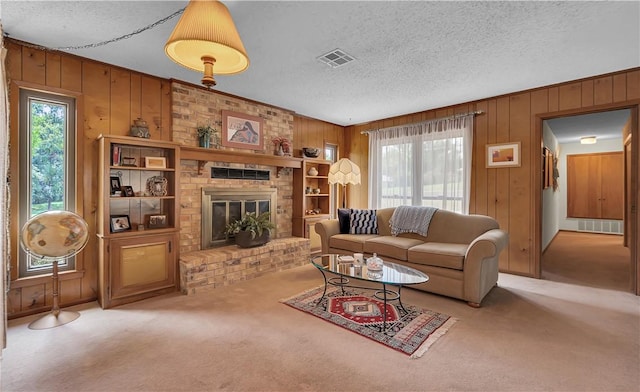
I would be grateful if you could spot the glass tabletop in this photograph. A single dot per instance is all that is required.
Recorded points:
(391, 273)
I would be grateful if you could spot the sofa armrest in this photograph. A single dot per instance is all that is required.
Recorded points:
(489, 244)
(481, 264)
(327, 228)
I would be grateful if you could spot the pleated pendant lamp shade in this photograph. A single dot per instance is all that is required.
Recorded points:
(205, 39)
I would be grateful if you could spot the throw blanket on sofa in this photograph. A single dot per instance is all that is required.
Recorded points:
(411, 219)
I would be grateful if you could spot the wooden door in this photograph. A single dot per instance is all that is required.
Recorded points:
(583, 186)
(612, 186)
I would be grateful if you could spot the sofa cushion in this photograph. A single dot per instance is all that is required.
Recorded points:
(350, 242)
(343, 218)
(363, 222)
(439, 254)
(390, 246)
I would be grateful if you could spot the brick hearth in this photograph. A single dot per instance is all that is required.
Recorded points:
(226, 265)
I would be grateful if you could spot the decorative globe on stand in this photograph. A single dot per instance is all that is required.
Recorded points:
(53, 236)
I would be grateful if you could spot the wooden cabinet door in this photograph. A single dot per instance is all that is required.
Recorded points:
(141, 265)
(612, 186)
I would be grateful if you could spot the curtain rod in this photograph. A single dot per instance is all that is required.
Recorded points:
(475, 113)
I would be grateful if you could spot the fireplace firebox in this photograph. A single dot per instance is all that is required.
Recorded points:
(221, 206)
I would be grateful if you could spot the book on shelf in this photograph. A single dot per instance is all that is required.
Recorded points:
(116, 152)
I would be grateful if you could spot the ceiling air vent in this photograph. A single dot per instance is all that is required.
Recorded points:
(336, 58)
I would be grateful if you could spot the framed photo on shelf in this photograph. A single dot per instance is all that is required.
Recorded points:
(120, 223)
(157, 186)
(503, 155)
(115, 185)
(242, 131)
(128, 191)
(157, 221)
(155, 162)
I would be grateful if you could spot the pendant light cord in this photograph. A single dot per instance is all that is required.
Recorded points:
(102, 43)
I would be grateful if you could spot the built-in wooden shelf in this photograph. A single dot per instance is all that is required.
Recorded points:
(204, 155)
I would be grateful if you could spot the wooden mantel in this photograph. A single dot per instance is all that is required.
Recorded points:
(204, 155)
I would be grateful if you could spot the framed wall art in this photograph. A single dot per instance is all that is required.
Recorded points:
(547, 168)
(503, 155)
(242, 131)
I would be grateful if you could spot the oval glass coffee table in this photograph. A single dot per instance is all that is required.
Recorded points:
(392, 274)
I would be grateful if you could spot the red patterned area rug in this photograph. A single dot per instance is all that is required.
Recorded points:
(411, 332)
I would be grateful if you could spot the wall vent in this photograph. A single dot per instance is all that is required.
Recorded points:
(239, 174)
(336, 58)
(601, 226)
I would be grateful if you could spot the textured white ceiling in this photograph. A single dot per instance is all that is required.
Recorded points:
(411, 56)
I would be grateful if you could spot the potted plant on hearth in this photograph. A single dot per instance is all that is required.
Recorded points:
(251, 230)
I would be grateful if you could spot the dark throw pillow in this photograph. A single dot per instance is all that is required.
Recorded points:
(344, 220)
(363, 222)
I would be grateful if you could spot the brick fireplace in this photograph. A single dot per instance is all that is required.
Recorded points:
(193, 106)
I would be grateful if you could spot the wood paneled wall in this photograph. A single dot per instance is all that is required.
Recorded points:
(511, 195)
(309, 132)
(108, 99)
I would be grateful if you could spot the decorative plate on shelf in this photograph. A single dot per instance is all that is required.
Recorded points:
(157, 186)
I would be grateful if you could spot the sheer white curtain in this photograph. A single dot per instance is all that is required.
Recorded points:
(422, 164)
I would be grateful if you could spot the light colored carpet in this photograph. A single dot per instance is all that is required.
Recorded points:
(530, 335)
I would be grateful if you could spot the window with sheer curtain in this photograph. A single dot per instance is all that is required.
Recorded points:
(422, 164)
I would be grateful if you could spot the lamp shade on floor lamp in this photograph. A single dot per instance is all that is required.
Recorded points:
(344, 172)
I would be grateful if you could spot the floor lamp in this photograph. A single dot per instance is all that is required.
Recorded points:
(344, 172)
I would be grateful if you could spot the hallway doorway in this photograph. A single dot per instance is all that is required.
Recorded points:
(615, 266)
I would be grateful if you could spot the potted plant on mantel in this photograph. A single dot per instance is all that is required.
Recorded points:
(205, 132)
(251, 230)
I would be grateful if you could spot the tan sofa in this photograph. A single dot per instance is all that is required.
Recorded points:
(459, 254)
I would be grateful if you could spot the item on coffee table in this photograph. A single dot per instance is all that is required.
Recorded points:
(359, 258)
(345, 259)
(374, 263)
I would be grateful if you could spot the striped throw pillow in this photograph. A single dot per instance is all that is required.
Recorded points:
(363, 222)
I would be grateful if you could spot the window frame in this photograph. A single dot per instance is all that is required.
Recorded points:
(333, 201)
(26, 97)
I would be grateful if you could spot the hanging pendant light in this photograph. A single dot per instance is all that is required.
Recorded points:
(206, 40)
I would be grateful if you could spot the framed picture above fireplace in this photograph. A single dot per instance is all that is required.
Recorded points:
(242, 131)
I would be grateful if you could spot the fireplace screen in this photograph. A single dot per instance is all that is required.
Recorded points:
(221, 206)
